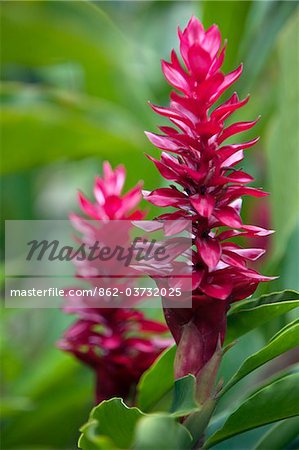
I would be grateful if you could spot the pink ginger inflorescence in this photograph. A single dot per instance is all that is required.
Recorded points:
(119, 344)
(208, 191)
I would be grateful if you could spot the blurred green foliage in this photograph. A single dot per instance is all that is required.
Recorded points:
(76, 77)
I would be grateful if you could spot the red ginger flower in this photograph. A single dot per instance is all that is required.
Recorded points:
(119, 344)
(196, 158)
(110, 204)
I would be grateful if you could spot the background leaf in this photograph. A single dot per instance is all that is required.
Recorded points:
(224, 14)
(263, 24)
(53, 123)
(283, 341)
(249, 314)
(77, 33)
(280, 435)
(283, 141)
(274, 402)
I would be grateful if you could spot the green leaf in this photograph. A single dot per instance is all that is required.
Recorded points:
(274, 402)
(112, 421)
(283, 141)
(264, 22)
(246, 315)
(197, 422)
(280, 435)
(156, 382)
(90, 440)
(288, 267)
(12, 405)
(51, 123)
(184, 396)
(284, 340)
(59, 386)
(160, 431)
(281, 374)
(43, 34)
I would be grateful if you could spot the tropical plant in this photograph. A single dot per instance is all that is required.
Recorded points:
(75, 78)
(210, 196)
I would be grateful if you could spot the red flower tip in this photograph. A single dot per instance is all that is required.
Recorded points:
(110, 203)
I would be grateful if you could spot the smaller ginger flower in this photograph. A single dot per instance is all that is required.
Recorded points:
(119, 344)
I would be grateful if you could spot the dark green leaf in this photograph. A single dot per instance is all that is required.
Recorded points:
(274, 402)
(283, 341)
(184, 396)
(280, 435)
(246, 315)
(157, 381)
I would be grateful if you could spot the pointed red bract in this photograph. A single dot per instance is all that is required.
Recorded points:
(209, 188)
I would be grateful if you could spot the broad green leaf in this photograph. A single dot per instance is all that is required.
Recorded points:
(281, 374)
(246, 315)
(267, 299)
(43, 34)
(157, 381)
(111, 421)
(51, 124)
(272, 403)
(58, 386)
(160, 431)
(284, 340)
(283, 140)
(292, 327)
(280, 435)
(184, 397)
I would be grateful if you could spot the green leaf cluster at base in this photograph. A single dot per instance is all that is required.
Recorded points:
(168, 415)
